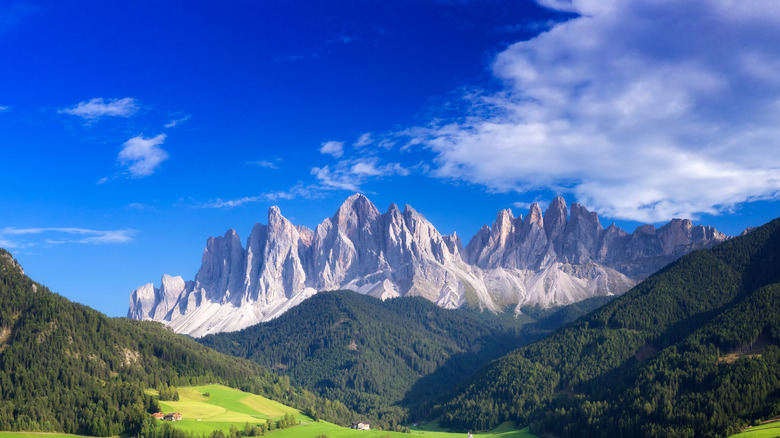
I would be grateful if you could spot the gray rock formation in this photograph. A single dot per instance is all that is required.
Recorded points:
(551, 259)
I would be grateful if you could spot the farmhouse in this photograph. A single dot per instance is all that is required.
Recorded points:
(362, 425)
(158, 415)
(173, 416)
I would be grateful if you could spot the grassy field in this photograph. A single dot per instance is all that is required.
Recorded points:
(226, 406)
(222, 408)
(769, 430)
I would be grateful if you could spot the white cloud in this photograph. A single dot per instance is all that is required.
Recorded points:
(363, 140)
(97, 108)
(371, 167)
(173, 123)
(265, 163)
(142, 155)
(4, 108)
(82, 235)
(351, 174)
(102, 180)
(334, 148)
(643, 110)
(297, 191)
(336, 178)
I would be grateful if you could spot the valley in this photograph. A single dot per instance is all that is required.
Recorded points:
(692, 349)
(225, 407)
(390, 219)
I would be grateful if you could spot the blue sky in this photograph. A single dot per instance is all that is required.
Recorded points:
(132, 131)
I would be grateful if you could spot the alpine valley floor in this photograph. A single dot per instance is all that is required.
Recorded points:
(225, 407)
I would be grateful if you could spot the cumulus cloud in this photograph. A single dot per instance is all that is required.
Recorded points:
(643, 110)
(142, 155)
(96, 108)
(333, 148)
(62, 235)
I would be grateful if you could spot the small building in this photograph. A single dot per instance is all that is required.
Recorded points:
(158, 415)
(173, 416)
(362, 425)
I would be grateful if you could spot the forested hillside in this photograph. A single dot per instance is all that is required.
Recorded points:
(65, 367)
(691, 351)
(385, 357)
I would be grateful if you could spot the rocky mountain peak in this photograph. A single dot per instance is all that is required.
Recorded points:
(503, 226)
(555, 219)
(356, 209)
(556, 258)
(534, 216)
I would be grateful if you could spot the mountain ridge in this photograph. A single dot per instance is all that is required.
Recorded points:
(548, 259)
(691, 351)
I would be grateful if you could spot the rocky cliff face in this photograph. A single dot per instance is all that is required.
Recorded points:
(550, 259)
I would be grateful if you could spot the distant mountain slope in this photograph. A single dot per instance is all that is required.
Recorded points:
(65, 367)
(555, 259)
(691, 351)
(373, 354)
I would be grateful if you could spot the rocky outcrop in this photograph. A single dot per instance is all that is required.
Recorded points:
(556, 258)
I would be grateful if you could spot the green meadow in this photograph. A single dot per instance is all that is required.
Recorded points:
(222, 408)
(225, 406)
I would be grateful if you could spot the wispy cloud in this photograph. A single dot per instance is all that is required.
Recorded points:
(13, 237)
(635, 115)
(142, 155)
(347, 174)
(350, 174)
(4, 108)
(333, 148)
(295, 192)
(363, 140)
(96, 108)
(139, 206)
(173, 123)
(265, 163)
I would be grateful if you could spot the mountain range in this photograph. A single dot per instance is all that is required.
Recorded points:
(556, 258)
